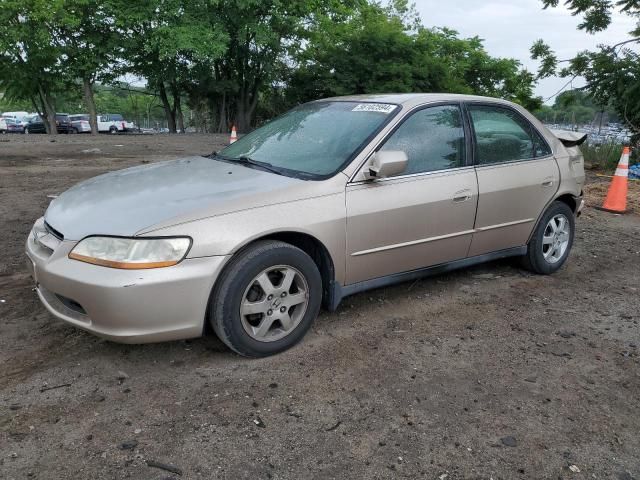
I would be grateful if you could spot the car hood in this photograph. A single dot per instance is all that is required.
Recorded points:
(127, 202)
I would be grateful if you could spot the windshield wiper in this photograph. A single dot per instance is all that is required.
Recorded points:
(245, 160)
(265, 165)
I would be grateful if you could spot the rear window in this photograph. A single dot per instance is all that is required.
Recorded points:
(75, 118)
(501, 135)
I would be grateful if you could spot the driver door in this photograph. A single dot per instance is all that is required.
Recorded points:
(423, 216)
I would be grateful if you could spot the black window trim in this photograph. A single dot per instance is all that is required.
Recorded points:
(468, 160)
(469, 121)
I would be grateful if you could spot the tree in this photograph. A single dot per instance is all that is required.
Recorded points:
(90, 47)
(612, 72)
(165, 41)
(388, 50)
(30, 56)
(264, 38)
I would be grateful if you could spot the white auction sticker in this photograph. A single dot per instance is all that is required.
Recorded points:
(385, 108)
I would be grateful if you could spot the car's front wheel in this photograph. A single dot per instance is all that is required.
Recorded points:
(266, 299)
(552, 240)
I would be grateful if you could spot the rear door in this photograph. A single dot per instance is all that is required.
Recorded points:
(423, 216)
(517, 177)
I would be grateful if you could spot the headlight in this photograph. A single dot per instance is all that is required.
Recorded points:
(131, 253)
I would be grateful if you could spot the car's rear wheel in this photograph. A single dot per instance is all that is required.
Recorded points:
(266, 299)
(552, 240)
(113, 130)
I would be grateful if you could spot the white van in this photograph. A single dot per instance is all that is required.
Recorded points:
(19, 117)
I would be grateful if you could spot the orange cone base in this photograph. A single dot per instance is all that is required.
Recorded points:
(602, 209)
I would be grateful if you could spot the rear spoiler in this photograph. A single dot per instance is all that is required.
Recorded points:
(570, 139)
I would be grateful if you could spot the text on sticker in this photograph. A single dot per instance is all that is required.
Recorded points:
(385, 108)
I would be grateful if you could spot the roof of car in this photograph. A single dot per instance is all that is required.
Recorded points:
(412, 99)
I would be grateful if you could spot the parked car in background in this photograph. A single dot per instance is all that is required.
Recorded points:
(63, 124)
(333, 198)
(19, 117)
(3, 125)
(14, 126)
(80, 123)
(114, 123)
(29, 118)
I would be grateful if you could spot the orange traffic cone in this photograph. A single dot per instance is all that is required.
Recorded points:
(616, 201)
(234, 135)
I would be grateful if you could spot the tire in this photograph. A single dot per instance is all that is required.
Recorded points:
(26, 131)
(547, 250)
(73, 131)
(113, 130)
(262, 334)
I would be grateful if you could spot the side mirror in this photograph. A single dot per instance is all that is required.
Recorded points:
(387, 164)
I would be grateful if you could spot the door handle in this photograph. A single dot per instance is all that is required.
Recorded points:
(462, 196)
(547, 183)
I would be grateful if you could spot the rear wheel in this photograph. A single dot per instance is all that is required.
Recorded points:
(113, 130)
(552, 240)
(266, 299)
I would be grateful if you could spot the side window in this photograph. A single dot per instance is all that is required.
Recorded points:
(501, 135)
(540, 146)
(432, 138)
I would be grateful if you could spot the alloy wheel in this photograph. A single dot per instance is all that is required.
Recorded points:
(274, 303)
(555, 240)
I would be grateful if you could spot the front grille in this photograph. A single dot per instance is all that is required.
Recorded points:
(53, 231)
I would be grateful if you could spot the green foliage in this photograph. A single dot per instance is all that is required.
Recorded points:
(612, 72)
(234, 61)
(604, 157)
(374, 52)
(575, 106)
(29, 53)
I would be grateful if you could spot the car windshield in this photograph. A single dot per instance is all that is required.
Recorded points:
(315, 139)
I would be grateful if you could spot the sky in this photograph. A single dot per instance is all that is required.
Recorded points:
(510, 27)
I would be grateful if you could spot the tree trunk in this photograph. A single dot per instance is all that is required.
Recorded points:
(177, 107)
(222, 118)
(49, 112)
(242, 120)
(170, 114)
(89, 100)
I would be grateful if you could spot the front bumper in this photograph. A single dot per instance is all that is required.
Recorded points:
(126, 306)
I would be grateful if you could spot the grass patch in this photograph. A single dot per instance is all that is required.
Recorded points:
(603, 157)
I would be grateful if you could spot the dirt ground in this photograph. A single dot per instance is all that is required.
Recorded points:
(484, 373)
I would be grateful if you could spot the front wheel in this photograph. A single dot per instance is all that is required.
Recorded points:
(552, 240)
(266, 299)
